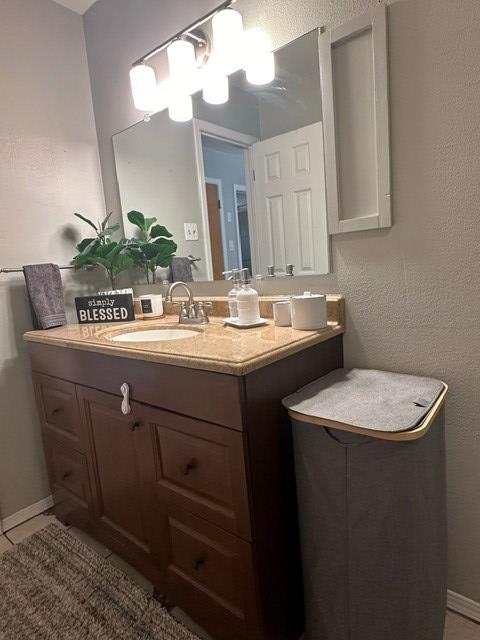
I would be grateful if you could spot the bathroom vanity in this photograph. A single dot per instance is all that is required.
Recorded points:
(195, 486)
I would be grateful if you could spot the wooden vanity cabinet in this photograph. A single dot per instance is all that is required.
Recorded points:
(195, 487)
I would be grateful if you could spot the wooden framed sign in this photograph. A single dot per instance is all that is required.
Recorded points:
(116, 307)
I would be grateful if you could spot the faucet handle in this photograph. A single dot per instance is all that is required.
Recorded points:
(202, 307)
(183, 309)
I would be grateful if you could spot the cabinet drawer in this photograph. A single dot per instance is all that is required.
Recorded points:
(209, 573)
(173, 388)
(68, 472)
(58, 409)
(200, 467)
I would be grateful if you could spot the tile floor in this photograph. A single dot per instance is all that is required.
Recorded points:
(457, 627)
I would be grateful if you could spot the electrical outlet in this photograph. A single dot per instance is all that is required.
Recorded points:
(229, 216)
(231, 245)
(191, 230)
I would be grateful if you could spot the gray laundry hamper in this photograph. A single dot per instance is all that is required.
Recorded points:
(370, 471)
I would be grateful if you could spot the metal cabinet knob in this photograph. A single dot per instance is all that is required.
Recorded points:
(199, 564)
(190, 466)
(135, 425)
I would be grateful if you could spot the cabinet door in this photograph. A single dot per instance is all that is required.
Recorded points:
(69, 482)
(121, 464)
(354, 70)
(209, 574)
(58, 410)
(200, 467)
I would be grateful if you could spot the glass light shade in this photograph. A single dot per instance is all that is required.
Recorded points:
(227, 28)
(182, 64)
(263, 71)
(215, 90)
(180, 108)
(259, 59)
(144, 87)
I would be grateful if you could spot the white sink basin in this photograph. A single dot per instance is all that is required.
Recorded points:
(155, 335)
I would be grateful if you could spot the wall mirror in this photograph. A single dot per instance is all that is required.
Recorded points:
(242, 184)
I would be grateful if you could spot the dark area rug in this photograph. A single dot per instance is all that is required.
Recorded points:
(53, 587)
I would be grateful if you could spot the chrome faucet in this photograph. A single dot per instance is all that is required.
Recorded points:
(289, 271)
(191, 312)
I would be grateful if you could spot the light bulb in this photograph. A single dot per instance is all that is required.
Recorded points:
(227, 27)
(263, 71)
(215, 90)
(144, 87)
(182, 64)
(180, 108)
(259, 59)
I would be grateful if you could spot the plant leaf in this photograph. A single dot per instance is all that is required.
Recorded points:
(165, 254)
(109, 230)
(105, 220)
(148, 223)
(164, 261)
(121, 262)
(91, 248)
(81, 261)
(92, 224)
(137, 218)
(104, 262)
(150, 251)
(137, 257)
(159, 230)
(83, 244)
(114, 250)
(103, 250)
(166, 243)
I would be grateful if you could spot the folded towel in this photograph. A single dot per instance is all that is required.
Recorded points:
(181, 270)
(45, 292)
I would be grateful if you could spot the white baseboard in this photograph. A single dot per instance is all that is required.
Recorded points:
(464, 606)
(25, 514)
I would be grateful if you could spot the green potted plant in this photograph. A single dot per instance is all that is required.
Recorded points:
(152, 248)
(101, 250)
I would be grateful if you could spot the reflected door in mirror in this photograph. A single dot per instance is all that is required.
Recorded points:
(214, 212)
(290, 213)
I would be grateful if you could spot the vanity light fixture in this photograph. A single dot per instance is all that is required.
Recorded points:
(216, 89)
(180, 107)
(228, 40)
(259, 58)
(192, 68)
(182, 64)
(143, 81)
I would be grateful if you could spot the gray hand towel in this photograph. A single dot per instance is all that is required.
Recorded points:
(45, 292)
(181, 270)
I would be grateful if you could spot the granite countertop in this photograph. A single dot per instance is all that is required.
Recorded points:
(217, 347)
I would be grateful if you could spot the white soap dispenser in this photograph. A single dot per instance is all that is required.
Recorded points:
(233, 293)
(247, 301)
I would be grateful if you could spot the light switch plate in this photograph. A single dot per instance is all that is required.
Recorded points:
(191, 230)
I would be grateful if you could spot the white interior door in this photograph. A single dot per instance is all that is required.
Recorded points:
(290, 214)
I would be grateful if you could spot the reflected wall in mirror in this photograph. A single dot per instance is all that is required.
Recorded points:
(242, 184)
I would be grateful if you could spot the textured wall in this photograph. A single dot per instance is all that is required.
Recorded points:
(48, 168)
(413, 292)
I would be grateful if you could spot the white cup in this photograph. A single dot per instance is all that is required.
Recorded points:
(151, 305)
(282, 313)
(309, 311)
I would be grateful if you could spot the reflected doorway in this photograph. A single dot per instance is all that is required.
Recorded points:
(226, 179)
